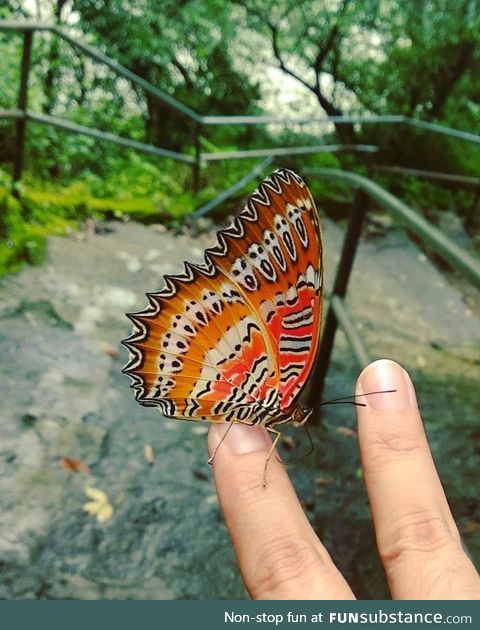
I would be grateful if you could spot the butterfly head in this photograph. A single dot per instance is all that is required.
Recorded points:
(299, 415)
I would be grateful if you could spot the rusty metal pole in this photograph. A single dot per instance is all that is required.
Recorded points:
(22, 103)
(198, 157)
(350, 244)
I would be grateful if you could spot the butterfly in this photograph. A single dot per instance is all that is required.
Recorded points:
(234, 339)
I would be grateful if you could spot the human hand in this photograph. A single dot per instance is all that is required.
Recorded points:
(279, 554)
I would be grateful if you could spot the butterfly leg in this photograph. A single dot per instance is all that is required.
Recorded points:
(277, 435)
(248, 424)
(212, 457)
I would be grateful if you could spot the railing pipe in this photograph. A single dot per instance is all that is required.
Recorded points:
(8, 25)
(226, 194)
(348, 326)
(434, 175)
(349, 249)
(266, 119)
(22, 103)
(106, 136)
(448, 250)
(287, 151)
(441, 244)
(121, 70)
(13, 25)
(11, 113)
(198, 156)
(446, 131)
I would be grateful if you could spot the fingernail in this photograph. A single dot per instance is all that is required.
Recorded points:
(240, 439)
(384, 375)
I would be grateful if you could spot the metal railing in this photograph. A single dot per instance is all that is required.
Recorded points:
(365, 189)
(449, 178)
(337, 313)
(22, 115)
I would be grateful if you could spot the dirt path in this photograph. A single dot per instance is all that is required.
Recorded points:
(63, 396)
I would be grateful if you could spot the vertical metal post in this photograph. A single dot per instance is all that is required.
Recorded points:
(22, 106)
(350, 244)
(198, 156)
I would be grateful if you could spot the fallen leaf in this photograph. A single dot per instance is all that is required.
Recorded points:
(96, 494)
(421, 361)
(470, 526)
(112, 351)
(104, 513)
(91, 507)
(323, 480)
(346, 431)
(74, 465)
(148, 453)
(211, 499)
(100, 506)
(288, 442)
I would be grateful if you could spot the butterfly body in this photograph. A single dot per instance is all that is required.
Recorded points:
(234, 339)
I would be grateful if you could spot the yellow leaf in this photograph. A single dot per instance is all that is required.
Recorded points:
(96, 494)
(148, 453)
(91, 507)
(100, 507)
(324, 480)
(105, 513)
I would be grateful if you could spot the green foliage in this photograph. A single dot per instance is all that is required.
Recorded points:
(25, 241)
(183, 48)
(377, 57)
(136, 189)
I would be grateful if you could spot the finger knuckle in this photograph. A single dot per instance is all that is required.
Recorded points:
(388, 445)
(418, 535)
(282, 563)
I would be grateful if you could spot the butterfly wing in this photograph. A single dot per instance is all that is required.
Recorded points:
(236, 337)
(199, 351)
(273, 251)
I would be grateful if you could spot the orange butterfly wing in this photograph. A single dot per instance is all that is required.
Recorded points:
(236, 337)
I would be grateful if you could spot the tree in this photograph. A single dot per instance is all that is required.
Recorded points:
(375, 56)
(181, 47)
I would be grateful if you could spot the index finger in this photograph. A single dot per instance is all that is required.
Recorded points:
(279, 555)
(417, 537)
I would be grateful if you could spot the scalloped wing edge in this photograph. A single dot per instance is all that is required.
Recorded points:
(274, 183)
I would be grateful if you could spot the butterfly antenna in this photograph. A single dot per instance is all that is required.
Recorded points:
(312, 446)
(347, 400)
(310, 450)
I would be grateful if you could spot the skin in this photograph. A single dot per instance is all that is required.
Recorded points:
(279, 554)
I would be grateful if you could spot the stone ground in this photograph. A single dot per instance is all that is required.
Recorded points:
(64, 397)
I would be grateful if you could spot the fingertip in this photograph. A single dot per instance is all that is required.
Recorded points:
(376, 367)
(239, 439)
(386, 386)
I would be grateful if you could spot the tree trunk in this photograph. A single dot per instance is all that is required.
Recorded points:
(447, 80)
(345, 131)
(51, 76)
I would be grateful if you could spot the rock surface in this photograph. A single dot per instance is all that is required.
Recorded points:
(64, 401)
